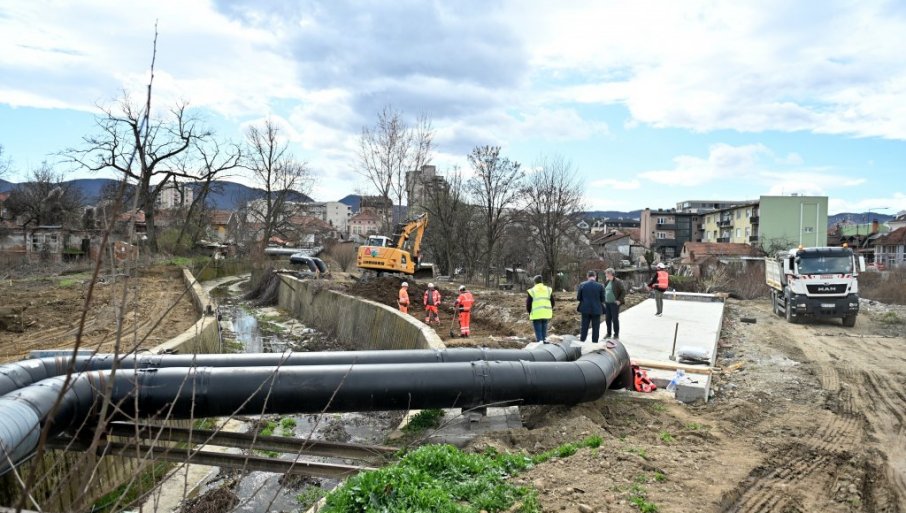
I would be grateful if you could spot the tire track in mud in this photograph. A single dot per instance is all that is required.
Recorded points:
(767, 489)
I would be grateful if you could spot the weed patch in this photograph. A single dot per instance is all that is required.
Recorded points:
(443, 479)
(424, 420)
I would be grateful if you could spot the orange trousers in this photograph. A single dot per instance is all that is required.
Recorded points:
(464, 318)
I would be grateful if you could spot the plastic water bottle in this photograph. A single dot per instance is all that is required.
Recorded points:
(677, 379)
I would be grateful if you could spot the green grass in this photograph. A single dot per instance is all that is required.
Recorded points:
(640, 451)
(309, 496)
(443, 479)
(659, 476)
(207, 423)
(659, 407)
(424, 420)
(665, 437)
(288, 425)
(179, 261)
(638, 498)
(125, 495)
(694, 426)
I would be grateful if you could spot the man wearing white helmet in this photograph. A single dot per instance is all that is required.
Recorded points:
(403, 301)
(432, 302)
(659, 283)
(464, 306)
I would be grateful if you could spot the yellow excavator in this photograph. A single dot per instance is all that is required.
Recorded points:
(400, 254)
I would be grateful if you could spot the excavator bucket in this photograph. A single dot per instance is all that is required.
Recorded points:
(424, 272)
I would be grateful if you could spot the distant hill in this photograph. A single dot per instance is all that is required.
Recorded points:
(858, 218)
(353, 201)
(611, 214)
(228, 196)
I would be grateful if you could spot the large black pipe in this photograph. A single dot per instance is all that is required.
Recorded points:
(14, 376)
(180, 393)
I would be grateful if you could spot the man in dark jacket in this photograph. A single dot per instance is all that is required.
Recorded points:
(591, 305)
(614, 295)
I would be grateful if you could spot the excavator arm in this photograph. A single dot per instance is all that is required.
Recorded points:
(416, 226)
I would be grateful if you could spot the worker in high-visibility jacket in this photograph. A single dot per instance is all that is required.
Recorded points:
(464, 306)
(540, 306)
(403, 301)
(432, 301)
(659, 283)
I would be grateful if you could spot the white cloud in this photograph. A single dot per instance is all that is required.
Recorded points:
(793, 159)
(723, 161)
(742, 66)
(889, 205)
(620, 185)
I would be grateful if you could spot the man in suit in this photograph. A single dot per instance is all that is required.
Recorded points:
(591, 305)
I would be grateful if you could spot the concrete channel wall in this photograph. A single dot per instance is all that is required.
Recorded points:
(62, 476)
(367, 324)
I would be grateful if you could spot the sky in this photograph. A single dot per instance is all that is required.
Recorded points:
(653, 102)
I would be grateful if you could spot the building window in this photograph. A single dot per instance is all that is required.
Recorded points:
(738, 232)
(748, 212)
(661, 235)
(662, 220)
(748, 231)
(808, 229)
(738, 214)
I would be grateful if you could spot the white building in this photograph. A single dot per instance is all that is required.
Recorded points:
(175, 196)
(334, 213)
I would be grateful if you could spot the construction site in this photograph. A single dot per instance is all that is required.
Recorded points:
(784, 417)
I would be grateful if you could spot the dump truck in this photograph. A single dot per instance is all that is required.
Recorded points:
(399, 254)
(815, 282)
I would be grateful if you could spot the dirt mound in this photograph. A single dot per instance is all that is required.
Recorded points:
(385, 290)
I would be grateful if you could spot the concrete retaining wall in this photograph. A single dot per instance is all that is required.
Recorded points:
(366, 324)
(62, 476)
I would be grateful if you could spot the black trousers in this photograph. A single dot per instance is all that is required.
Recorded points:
(595, 321)
(612, 311)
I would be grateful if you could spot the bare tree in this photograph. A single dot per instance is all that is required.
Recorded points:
(390, 149)
(554, 195)
(4, 162)
(496, 188)
(215, 159)
(279, 174)
(447, 212)
(45, 199)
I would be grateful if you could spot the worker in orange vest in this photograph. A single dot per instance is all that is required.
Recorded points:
(432, 301)
(659, 283)
(403, 301)
(464, 306)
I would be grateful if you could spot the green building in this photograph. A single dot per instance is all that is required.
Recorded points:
(785, 222)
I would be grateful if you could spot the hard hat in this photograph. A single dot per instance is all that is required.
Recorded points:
(404, 284)
(661, 265)
(430, 285)
(462, 287)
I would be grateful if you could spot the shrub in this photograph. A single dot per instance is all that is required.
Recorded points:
(344, 254)
(887, 286)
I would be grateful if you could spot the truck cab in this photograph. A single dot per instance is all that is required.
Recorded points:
(815, 282)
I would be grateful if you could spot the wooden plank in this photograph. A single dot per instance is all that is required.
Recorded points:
(658, 364)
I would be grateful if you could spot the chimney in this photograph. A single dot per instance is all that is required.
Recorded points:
(875, 226)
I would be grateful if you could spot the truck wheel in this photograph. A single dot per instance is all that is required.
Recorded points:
(774, 307)
(789, 313)
(849, 321)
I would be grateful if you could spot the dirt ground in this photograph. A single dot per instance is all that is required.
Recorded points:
(806, 417)
(54, 303)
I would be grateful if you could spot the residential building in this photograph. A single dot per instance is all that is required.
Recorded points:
(334, 213)
(420, 186)
(772, 222)
(897, 222)
(890, 248)
(175, 196)
(703, 206)
(737, 224)
(665, 231)
(624, 244)
(789, 221)
(220, 224)
(364, 223)
(621, 224)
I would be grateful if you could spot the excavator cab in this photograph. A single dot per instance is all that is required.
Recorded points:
(379, 241)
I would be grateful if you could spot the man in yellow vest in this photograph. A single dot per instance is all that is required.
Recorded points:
(540, 306)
